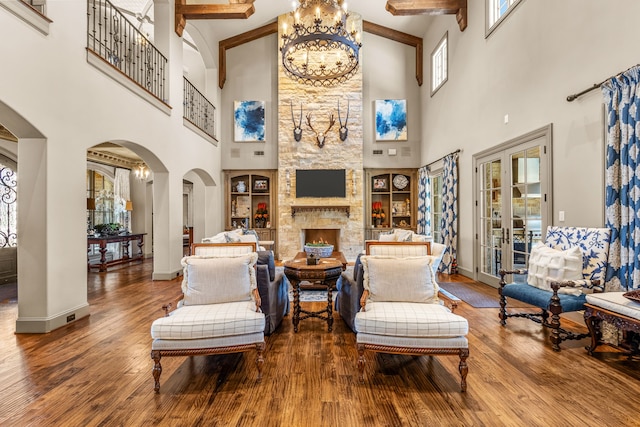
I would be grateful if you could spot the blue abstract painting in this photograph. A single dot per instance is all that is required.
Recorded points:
(391, 120)
(249, 120)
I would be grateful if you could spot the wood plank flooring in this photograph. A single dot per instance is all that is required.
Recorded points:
(97, 372)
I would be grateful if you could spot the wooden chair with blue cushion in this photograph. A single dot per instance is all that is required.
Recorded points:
(561, 271)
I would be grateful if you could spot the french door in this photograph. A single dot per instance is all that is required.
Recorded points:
(513, 204)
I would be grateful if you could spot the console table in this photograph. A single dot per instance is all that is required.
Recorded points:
(102, 241)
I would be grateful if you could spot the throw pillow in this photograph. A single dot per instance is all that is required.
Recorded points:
(403, 235)
(393, 279)
(218, 238)
(547, 264)
(387, 238)
(267, 258)
(232, 237)
(421, 238)
(252, 233)
(213, 280)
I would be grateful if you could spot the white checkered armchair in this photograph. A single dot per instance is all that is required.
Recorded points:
(401, 311)
(219, 312)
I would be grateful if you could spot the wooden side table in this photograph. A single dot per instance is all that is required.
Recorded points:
(326, 272)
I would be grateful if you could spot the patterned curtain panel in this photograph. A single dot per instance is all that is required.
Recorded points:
(622, 199)
(424, 201)
(449, 220)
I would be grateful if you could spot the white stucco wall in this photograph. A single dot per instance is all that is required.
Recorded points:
(75, 106)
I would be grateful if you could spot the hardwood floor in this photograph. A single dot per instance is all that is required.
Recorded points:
(97, 371)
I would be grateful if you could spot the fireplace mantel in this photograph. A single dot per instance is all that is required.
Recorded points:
(309, 208)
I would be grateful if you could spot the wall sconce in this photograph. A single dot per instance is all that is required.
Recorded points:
(287, 177)
(354, 190)
(91, 204)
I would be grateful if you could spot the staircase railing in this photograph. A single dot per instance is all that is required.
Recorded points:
(198, 110)
(112, 37)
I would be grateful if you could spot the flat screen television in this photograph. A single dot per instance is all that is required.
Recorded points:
(320, 183)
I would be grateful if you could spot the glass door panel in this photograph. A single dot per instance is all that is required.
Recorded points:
(525, 216)
(491, 233)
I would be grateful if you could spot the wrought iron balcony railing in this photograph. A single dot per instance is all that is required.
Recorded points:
(198, 110)
(112, 37)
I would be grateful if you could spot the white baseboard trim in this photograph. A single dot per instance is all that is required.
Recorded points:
(166, 276)
(466, 273)
(41, 325)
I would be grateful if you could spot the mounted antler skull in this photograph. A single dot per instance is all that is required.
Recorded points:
(343, 127)
(297, 127)
(321, 136)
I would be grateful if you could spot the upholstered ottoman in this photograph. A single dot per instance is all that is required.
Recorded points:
(614, 308)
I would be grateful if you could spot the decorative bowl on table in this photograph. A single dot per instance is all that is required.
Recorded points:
(320, 250)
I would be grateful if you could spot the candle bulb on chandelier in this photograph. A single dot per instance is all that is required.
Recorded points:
(284, 28)
(317, 12)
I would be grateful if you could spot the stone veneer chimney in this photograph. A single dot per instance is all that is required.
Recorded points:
(320, 102)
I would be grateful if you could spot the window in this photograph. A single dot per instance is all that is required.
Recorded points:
(439, 67)
(8, 205)
(436, 206)
(100, 189)
(497, 10)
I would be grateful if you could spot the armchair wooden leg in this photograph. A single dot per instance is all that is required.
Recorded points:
(463, 368)
(260, 359)
(157, 369)
(503, 303)
(555, 308)
(361, 361)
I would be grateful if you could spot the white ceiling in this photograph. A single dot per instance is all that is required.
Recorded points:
(267, 11)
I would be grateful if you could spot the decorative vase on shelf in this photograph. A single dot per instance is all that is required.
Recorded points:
(240, 187)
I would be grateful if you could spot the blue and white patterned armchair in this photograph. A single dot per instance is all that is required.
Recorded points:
(576, 261)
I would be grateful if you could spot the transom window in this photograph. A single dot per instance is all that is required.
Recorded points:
(439, 68)
(497, 10)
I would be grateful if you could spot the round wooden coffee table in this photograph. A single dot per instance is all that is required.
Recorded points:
(326, 272)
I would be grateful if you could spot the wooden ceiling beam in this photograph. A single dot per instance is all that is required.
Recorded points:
(430, 7)
(272, 28)
(235, 10)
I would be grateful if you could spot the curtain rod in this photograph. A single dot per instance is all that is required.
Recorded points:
(575, 96)
(436, 161)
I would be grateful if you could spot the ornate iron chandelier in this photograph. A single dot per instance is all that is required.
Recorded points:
(317, 47)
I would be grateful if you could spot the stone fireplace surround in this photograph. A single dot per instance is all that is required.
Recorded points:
(345, 214)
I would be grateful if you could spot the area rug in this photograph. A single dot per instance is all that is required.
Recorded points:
(478, 295)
